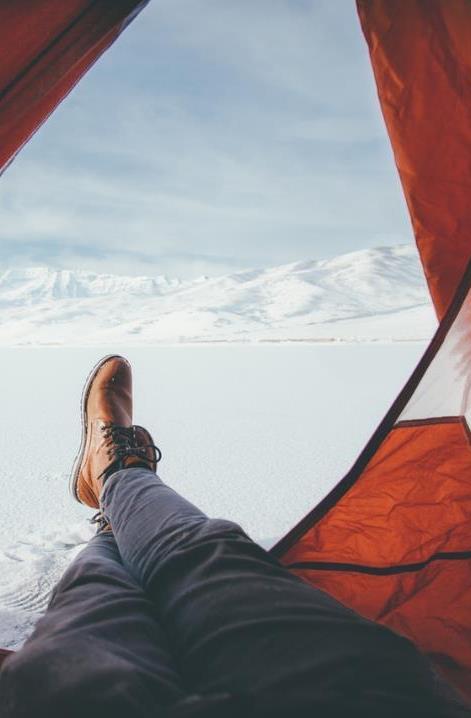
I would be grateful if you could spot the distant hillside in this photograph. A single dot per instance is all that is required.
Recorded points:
(369, 295)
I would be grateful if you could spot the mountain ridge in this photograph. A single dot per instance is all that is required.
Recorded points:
(366, 295)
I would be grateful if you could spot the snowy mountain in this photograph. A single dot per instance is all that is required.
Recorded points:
(375, 294)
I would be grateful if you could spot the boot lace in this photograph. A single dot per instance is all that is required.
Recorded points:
(121, 442)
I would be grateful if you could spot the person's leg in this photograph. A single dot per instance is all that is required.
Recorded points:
(241, 623)
(98, 651)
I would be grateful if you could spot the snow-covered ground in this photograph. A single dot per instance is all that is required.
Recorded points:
(257, 434)
(369, 295)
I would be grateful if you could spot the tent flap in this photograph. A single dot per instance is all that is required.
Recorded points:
(421, 56)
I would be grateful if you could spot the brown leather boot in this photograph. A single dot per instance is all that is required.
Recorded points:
(109, 440)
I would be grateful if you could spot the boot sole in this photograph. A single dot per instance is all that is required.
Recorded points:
(74, 476)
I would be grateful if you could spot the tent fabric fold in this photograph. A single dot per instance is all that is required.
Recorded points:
(47, 47)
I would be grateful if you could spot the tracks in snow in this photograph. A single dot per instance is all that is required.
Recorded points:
(29, 570)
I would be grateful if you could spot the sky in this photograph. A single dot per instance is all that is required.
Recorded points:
(214, 136)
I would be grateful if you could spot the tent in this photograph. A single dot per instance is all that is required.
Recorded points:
(393, 538)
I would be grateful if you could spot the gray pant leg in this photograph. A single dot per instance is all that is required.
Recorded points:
(98, 651)
(240, 623)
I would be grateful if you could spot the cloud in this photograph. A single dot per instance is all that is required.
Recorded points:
(212, 135)
(62, 255)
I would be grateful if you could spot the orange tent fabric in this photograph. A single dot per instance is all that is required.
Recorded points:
(421, 56)
(47, 45)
